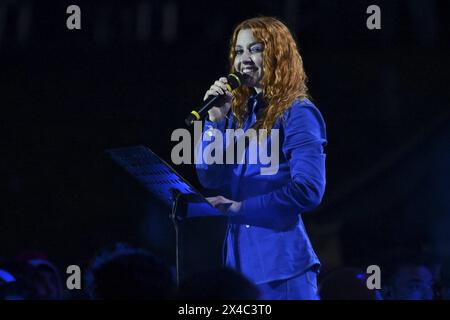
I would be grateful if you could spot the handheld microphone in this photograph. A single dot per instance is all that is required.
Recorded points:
(234, 81)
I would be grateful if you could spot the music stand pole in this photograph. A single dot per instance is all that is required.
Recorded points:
(177, 215)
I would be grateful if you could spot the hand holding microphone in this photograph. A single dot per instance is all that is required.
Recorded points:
(217, 100)
(222, 105)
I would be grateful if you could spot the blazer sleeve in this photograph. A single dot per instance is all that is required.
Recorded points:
(303, 146)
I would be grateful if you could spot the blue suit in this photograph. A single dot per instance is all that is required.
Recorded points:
(266, 240)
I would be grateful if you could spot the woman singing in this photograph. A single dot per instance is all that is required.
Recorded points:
(266, 239)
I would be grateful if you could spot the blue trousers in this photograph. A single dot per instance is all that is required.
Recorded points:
(301, 287)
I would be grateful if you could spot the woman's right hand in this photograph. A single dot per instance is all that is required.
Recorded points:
(218, 113)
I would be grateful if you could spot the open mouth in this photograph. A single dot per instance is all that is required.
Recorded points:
(249, 70)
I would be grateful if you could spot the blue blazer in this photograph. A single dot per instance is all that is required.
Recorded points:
(267, 240)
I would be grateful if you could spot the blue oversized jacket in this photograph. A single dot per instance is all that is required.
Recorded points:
(266, 240)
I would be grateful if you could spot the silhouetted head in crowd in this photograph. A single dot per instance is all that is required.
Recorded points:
(48, 282)
(346, 284)
(129, 273)
(407, 278)
(220, 284)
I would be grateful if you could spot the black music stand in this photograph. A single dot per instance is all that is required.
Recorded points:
(166, 184)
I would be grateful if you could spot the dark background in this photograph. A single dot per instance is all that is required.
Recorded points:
(136, 68)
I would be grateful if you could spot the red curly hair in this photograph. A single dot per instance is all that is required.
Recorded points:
(284, 78)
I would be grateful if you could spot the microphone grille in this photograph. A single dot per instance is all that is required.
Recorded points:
(235, 80)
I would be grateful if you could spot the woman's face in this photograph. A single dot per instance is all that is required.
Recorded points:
(249, 58)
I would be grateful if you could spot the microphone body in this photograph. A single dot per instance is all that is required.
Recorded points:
(234, 81)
